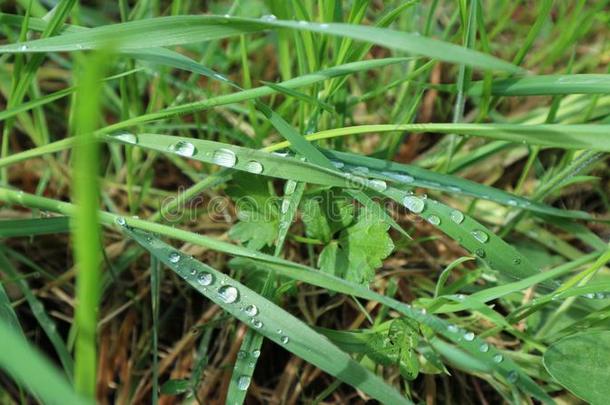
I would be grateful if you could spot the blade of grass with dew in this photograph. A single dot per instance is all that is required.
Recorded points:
(411, 175)
(472, 235)
(300, 273)
(180, 30)
(270, 320)
(249, 351)
(33, 226)
(47, 324)
(37, 373)
(86, 233)
(245, 95)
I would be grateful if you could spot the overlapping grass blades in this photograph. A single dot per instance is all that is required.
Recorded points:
(469, 233)
(476, 347)
(177, 30)
(269, 320)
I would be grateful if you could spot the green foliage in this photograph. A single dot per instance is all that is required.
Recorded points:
(580, 363)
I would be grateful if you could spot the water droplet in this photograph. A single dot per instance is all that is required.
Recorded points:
(183, 148)
(600, 295)
(251, 310)
(480, 252)
(225, 157)
(279, 331)
(269, 18)
(455, 189)
(405, 178)
(589, 296)
(284, 339)
(360, 170)
(378, 185)
(127, 137)
(243, 382)
(513, 376)
(484, 348)
(254, 167)
(324, 26)
(289, 187)
(121, 221)
(79, 46)
(285, 205)
(303, 22)
(257, 323)
(414, 204)
(337, 164)
(205, 278)
(23, 48)
(469, 336)
(242, 355)
(256, 354)
(193, 271)
(228, 294)
(434, 220)
(453, 328)
(174, 257)
(457, 216)
(480, 236)
(513, 203)
(516, 261)
(498, 358)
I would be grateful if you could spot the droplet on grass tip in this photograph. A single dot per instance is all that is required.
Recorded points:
(469, 336)
(498, 358)
(127, 137)
(434, 220)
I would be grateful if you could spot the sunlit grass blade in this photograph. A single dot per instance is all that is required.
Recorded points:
(176, 30)
(36, 373)
(269, 319)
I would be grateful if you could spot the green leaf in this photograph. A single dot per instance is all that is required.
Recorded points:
(175, 387)
(366, 244)
(333, 260)
(580, 363)
(316, 225)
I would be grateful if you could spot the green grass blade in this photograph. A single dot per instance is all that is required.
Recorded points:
(547, 85)
(33, 226)
(177, 30)
(86, 234)
(36, 373)
(45, 321)
(595, 137)
(276, 324)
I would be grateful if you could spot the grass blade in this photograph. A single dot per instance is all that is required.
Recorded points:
(177, 30)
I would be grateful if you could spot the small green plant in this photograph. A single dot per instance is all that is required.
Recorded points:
(304, 202)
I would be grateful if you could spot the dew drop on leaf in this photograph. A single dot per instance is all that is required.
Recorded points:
(228, 294)
(224, 157)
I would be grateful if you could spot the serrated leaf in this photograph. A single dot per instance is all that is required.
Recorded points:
(366, 244)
